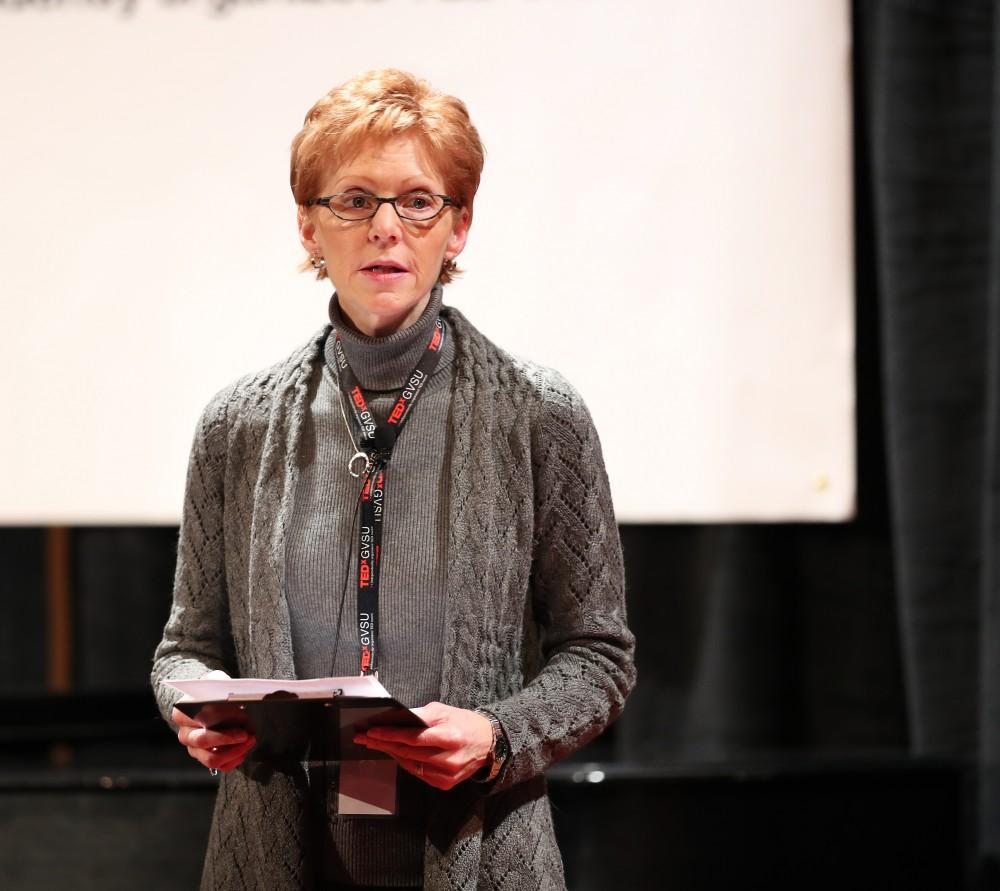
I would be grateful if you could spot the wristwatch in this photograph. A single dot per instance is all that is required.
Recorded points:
(498, 751)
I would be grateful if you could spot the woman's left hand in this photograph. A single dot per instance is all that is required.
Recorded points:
(455, 744)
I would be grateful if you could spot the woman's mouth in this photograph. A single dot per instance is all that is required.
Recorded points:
(383, 271)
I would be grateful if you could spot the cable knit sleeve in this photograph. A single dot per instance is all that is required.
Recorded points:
(578, 595)
(197, 637)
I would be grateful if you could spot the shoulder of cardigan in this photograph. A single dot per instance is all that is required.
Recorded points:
(252, 395)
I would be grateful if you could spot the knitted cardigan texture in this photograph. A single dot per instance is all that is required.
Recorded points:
(535, 622)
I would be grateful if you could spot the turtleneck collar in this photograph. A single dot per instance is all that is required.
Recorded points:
(386, 363)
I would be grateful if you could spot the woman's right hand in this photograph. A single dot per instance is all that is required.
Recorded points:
(217, 748)
(219, 737)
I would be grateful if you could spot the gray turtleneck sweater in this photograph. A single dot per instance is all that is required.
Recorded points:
(322, 551)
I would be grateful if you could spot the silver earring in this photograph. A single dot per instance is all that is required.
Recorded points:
(317, 262)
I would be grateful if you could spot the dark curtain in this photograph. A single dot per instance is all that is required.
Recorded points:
(928, 94)
(880, 633)
(930, 100)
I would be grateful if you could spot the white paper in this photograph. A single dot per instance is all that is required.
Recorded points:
(235, 689)
(367, 789)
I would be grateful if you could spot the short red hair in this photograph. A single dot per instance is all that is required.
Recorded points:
(375, 107)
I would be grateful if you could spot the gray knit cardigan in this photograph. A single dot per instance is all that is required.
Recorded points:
(535, 622)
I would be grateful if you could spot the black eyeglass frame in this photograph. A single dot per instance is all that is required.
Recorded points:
(447, 200)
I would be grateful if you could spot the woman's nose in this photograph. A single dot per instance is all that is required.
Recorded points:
(385, 225)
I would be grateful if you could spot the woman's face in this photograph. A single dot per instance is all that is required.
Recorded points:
(384, 268)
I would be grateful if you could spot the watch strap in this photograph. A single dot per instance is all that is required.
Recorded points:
(500, 748)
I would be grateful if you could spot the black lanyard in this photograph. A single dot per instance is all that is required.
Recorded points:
(376, 442)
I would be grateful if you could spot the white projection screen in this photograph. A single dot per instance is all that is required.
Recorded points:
(665, 216)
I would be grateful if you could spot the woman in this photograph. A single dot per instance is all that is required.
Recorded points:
(499, 606)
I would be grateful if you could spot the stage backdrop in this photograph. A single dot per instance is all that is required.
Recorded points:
(664, 216)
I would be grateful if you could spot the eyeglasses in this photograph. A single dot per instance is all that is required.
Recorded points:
(416, 206)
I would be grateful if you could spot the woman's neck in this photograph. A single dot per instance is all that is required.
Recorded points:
(387, 361)
(377, 325)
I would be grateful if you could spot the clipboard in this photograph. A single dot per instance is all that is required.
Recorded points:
(312, 723)
(307, 721)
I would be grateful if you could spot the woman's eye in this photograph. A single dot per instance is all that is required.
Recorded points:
(416, 201)
(358, 201)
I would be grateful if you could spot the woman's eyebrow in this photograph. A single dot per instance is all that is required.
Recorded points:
(410, 183)
(353, 182)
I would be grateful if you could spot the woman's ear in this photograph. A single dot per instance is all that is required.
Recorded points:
(307, 232)
(459, 234)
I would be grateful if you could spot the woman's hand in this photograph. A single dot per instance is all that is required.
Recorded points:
(219, 737)
(221, 746)
(218, 749)
(455, 744)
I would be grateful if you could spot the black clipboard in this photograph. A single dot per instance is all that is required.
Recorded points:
(308, 728)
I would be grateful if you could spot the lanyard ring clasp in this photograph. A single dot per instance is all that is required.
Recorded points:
(366, 464)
